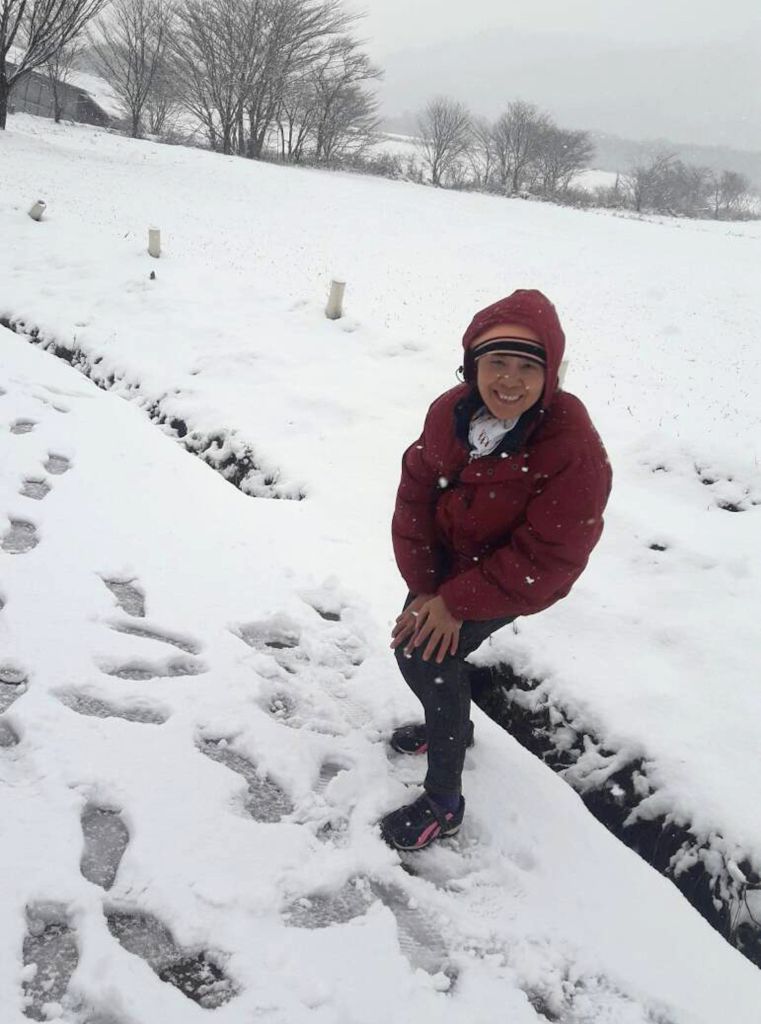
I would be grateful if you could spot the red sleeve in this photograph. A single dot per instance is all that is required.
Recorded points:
(416, 549)
(547, 552)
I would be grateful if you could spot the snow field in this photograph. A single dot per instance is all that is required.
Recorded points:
(276, 872)
(536, 898)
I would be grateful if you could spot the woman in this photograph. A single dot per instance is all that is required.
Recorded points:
(499, 507)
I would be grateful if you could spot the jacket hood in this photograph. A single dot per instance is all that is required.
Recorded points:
(529, 308)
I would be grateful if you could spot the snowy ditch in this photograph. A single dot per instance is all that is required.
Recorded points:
(722, 887)
(234, 459)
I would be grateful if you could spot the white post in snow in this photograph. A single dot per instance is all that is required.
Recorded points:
(562, 372)
(154, 242)
(334, 308)
(37, 209)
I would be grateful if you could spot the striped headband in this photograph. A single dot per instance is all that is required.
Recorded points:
(532, 350)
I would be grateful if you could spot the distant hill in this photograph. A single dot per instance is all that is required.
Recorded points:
(616, 154)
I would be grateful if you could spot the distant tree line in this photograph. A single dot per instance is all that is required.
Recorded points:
(525, 153)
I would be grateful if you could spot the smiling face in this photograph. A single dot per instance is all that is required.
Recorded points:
(508, 384)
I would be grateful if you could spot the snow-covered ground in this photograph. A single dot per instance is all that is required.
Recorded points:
(654, 651)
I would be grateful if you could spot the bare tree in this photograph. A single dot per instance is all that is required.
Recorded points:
(729, 194)
(218, 50)
(298, 109)
(560, 156)
(482, 153)
(162, 104)
(445, 132)
(130, 44)
(346, 113)
(647, 181)
(517, 141)
(37, 30)
(297, 35)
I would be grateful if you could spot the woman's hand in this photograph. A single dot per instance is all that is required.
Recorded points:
(437, 629)
(406, 623)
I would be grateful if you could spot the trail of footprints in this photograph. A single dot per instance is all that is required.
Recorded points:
(50, 952)
(22, 536)
(728, 492)
(50, 948)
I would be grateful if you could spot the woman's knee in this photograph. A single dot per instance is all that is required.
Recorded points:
(415, 669)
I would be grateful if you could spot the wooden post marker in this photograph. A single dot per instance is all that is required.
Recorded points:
(37, 209)
(154, 242)
(334, 308)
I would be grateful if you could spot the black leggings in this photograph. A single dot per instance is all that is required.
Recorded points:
(444, 691)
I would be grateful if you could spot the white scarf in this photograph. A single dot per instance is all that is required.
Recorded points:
(486, 432)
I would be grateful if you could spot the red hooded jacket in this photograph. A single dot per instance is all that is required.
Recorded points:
(509, 533)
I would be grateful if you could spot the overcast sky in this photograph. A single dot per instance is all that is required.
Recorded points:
(689, 69)
(400, 24)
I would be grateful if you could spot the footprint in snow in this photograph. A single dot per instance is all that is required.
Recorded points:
(13, 682)
(50, 956)
(275, 638)
(729, 494)
(59, 407)
(8, 735)
(20, 538)
(332, 656)
(57, 464)
(106, 838)
(329, 614)
(197, 975)
(182, 643)
(265, 800)
(282, 707)
(322, 910)
(308, 713)
(588, 998)
(129, 597)
(93, 707)
(37, 489)
(332, 649)
(329, 771)
(420, 938)
(23, 426)
(143, 670)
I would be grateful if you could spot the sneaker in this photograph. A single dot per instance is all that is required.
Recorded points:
(418, 824)
(412, 739)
